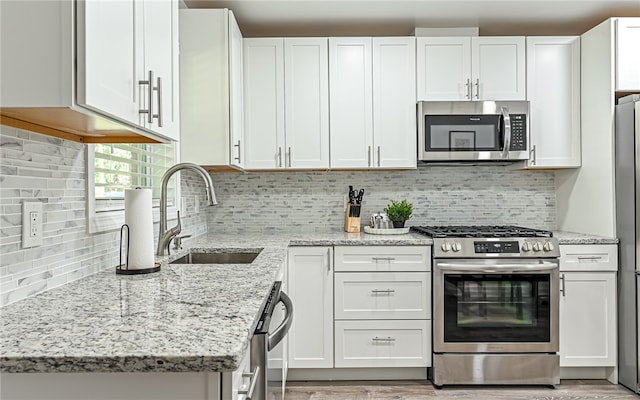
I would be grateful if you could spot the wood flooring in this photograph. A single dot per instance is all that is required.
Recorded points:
(423, 390)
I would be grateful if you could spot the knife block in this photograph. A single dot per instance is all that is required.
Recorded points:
(351, 224)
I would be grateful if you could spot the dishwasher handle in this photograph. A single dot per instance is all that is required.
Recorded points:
(281, 331)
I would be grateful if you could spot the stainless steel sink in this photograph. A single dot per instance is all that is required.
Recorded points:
(217, 258)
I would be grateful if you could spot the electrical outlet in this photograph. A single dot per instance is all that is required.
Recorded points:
(32, 224)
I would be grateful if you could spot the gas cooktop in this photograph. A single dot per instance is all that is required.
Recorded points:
(480, 231)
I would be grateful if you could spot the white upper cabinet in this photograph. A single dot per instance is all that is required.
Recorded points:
(236, 93)
(372, 86)
(161, 61)
(102, 89)
(471, 68)
(444, 68)
(553, 89)
(306, 93)
(211, 88)
(351, 106)
(264, 103)
(96, 86)
(394, 102)
(286, 99)
(628, 54)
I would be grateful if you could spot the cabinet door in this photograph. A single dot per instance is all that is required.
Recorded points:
(588, 319)
(236, 123)
(311, 290)
(627, 54)
(306, 102)
(264, 103)
(204, 86)
(351, 122)
(109, 59)
(444, 68)
(382, 295)
(394, 103)
(160, 19)
(498, 68)
(383, 343)
(553, 89)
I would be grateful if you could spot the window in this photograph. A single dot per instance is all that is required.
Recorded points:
(113, 168)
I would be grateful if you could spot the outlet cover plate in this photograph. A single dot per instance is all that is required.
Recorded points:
(32, 224)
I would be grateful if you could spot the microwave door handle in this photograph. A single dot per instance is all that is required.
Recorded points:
(507, 132)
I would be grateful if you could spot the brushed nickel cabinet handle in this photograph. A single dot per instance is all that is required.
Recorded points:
(388, 339)
(562, 287)
(468, 92)
(378, 156)
(158, 89)
(289, 157)
(279, 156)
(477, 84)
(369, 156)
(385, 291)
(149, 110)
(238, 146)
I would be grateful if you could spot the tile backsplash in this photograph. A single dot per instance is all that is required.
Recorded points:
(442, 195)
(35, 167)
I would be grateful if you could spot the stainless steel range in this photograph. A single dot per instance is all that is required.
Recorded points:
(495, 305)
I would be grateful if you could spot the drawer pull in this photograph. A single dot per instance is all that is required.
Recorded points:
(385, 291)
(388, 339)
(589, 258)
(254, 378)
(388, 259)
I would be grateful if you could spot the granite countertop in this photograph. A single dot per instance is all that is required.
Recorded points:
(581, 238)
(183, 318)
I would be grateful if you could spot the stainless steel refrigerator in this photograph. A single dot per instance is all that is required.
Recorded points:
(627, 184)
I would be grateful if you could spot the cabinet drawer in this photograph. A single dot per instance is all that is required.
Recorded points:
(383, 343)
(589, 257)
(382, 295)
(382, 258)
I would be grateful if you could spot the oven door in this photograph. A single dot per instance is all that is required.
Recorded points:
(495, 306)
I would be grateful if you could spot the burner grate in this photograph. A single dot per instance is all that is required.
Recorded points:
(480, 231)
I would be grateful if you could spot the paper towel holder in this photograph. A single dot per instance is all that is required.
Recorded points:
(123, 268)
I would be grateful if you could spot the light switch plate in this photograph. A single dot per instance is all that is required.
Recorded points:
(32, 224)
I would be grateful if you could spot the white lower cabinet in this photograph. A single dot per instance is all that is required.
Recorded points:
(382, 295)
(588, 296)
(311, 291)
(385, 343)
(382, 306)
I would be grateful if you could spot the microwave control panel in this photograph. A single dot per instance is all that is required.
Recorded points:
(518, 132)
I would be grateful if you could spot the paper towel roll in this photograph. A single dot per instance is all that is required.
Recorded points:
(138, 215)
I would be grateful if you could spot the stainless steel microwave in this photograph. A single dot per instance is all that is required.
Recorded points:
(466, 131)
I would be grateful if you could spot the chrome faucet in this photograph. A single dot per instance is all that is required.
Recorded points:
(166, 235)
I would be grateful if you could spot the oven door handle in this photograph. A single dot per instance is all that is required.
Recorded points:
(281, 331)
(501, 268)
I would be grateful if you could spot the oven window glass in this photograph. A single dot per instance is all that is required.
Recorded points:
(497, 308)
(462, 133)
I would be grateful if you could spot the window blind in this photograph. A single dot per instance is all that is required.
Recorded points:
(126, 166)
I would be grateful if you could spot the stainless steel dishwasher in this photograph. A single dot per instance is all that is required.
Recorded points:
(261, 386)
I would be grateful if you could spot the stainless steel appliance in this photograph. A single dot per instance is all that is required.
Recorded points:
(627, 186)
(495, 305)
(464, 131)
(265, 383)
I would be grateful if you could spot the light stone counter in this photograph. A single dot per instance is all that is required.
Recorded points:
(580, 238)
(184, 318)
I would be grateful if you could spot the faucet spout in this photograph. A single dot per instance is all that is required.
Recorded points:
(165, 235)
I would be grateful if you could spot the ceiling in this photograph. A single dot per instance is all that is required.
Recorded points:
(389, 17)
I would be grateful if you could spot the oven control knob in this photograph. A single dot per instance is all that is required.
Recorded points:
(526, 246)
(446, 246)
(548, 246)
(537, 246)
(456, 246)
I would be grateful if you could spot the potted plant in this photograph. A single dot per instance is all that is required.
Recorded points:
(398, 212)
